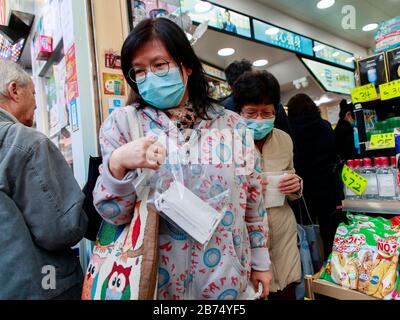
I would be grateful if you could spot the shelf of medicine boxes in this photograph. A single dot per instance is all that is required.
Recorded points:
(372, 206)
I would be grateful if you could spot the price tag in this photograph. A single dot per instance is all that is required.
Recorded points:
(364, 93)
(354, 181)
(390, 90)
(382, 141)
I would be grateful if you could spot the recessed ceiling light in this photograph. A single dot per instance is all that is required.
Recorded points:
(225, 52)
(319, 47)
(260, 63)
(335, 54)
(325, 4)
(202, 7)
(272, 31)
(370, 27)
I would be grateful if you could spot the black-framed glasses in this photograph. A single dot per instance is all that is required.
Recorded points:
(160, 68)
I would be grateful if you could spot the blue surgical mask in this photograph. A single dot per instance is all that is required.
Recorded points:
(163, 92)
(260, 128)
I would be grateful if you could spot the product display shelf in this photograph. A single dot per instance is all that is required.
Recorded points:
(314, 285)
(372, 206)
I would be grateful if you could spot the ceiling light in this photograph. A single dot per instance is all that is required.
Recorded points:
(203, 7)
(335, 54)
(272, 31)
(319, 47)
(325, 4)
(370, 27)
(225, 52)
(260, 63)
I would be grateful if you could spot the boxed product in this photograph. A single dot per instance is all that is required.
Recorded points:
(365, 256)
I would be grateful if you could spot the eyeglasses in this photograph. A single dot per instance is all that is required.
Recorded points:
(254, 115)
(160, 68)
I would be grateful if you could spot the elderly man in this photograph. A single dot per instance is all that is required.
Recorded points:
(41, 215)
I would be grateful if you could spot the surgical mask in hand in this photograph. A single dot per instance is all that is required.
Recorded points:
(260, 128)
(163, 92)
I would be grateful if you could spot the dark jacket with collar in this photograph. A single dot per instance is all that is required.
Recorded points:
(41, 215)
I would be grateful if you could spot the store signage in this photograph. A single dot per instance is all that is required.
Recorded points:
(354, 181)
(387, 36)
(112, 60)
(114, 84)
(214, 72)
(364, 93)
(334, 55)
(390, 90)
(382, 141)
(393, 61)
(218, 17)
(333, 79)
(283, 38)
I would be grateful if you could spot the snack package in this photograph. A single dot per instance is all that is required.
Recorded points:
(365, 256)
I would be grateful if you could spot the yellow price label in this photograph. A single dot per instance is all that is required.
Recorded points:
(354, 181)
(382, 141)
(364, 93)
(390, 90)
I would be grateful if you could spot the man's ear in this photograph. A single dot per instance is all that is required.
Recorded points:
(13, 91)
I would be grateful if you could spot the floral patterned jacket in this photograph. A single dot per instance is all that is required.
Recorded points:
(187, 270)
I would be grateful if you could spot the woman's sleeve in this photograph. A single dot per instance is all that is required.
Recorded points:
(255, 217)
(114, 199)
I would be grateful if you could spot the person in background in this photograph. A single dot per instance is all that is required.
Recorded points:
(41, 214)
(344, 133)
(171, 97)
(315, 161)
(228, 25)
(233, 72)
(257, 98)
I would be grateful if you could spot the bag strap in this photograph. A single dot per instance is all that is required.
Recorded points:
(308, 212)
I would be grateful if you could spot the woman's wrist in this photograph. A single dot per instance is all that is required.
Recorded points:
(115, 166)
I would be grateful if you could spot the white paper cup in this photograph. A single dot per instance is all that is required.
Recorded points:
(273, 197)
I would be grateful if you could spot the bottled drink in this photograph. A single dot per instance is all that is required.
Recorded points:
(395, 171)
(368, 172)
(348, 192)
(357, 169)
(386, 181)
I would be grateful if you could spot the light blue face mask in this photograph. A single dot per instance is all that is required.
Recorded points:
(260, 128)
(163, 92)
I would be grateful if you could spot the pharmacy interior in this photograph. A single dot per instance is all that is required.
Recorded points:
(364, 260)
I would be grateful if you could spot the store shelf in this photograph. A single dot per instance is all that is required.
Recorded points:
(327, 289)
(372, 206)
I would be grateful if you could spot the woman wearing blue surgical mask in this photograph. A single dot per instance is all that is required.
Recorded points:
(257, 99)
(170, 95)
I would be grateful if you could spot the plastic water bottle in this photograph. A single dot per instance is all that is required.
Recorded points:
(368, 172)
(386, 181)
(357, 169)
(347, 191)
(395, 171)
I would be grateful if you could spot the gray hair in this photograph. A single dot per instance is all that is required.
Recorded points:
(9, 72)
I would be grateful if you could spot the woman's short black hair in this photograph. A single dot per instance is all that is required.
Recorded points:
(236, 69)
(256, 87)
(344, 108)
(301, 104)
(177, 44)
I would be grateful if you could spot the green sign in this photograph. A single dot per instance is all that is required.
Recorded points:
(333, 55)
